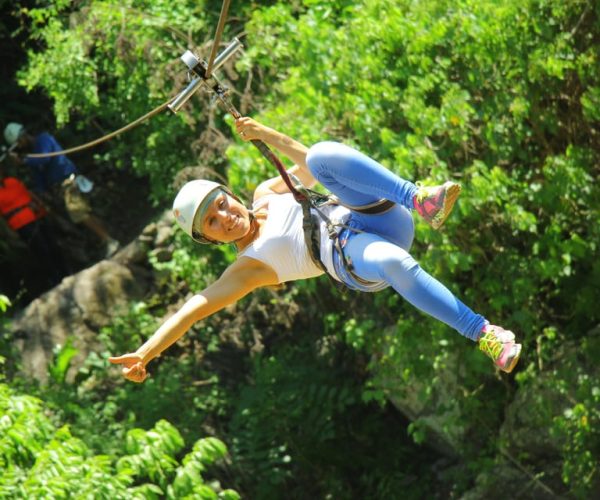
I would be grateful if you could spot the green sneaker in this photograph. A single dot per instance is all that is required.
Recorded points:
(499, 344)
(435, 203)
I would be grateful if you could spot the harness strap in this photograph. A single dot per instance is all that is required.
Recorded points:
(312, 234)
(261, 146)
(272, 157)
(8, 215)
(378, 207)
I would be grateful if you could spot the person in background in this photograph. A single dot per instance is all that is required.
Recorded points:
(57, 176)
(25, 215)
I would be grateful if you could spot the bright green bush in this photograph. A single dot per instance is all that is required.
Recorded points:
(40, 460)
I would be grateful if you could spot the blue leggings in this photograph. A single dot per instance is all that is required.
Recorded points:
(380, 253)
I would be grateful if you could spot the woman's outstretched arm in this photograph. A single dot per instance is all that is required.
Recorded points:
(250, 129)
(239, 279)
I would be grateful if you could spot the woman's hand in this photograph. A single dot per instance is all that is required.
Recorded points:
(249, 129)
(133, 366)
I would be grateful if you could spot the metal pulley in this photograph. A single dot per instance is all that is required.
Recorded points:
(198, 67)
(205, 77)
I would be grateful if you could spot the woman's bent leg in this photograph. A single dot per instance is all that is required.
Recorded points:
(355, 178)
(376, 259)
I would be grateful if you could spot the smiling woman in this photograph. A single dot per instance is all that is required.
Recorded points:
(369, 251)
(210, 213)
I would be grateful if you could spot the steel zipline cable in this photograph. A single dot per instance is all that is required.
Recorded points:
(105, 138)
(155, 111)
(220, 92)
(217, 39)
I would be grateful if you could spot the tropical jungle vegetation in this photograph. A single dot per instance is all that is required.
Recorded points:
(294, 392)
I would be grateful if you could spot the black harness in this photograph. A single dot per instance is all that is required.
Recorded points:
(312, 216)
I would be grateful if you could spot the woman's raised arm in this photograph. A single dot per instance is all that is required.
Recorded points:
(250, 129)
(239, 279)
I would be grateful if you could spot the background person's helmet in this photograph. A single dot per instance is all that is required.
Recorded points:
(12, 132)
(193, 199)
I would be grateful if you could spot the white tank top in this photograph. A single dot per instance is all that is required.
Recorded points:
(281, 244)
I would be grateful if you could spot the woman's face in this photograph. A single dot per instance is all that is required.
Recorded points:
(226, 219)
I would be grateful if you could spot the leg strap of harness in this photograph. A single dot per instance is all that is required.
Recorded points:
(378, 207)
(312, 237)
(312, 233)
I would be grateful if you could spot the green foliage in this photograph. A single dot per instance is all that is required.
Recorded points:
(502, 96)
(302, 418)
(8, 351)
(437, 90)
(188, 481)
(577, 427)
(4, 303)
(287, 414)
(24, 429)
(169, 386)
(582, 442)
(151, 453)
(62, 361)
(40, 460)
(499, 95)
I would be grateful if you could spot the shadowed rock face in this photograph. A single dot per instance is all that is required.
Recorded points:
(77, 308)
(84, 303)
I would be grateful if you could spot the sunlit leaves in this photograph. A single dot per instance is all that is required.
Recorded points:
(40, 461)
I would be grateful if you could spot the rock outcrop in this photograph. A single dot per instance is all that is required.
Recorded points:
(85, 302)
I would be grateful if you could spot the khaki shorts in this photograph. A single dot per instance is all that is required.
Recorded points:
(77, 206)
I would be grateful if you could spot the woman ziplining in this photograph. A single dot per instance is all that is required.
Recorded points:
(368, 252)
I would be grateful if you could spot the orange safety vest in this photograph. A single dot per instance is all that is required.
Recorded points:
(17, 204)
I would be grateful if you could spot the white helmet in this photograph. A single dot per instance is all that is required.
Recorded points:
(193, 199)
(12, 132)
